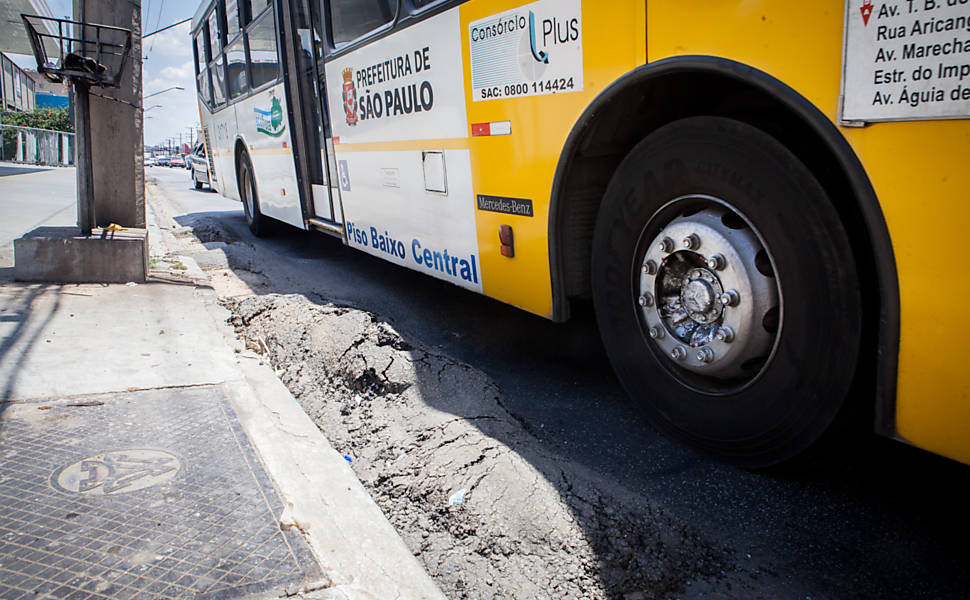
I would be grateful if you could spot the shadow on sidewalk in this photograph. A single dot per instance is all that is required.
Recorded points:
(22, 323)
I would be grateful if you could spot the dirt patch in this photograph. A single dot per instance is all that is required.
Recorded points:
(478, 499)
(229, 263)
(205, 230)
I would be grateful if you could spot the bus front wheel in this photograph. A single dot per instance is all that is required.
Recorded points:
(726, 292)
(249, 197)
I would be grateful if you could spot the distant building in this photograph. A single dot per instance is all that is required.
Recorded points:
(48, 93)
(47, 100)
(17, 88)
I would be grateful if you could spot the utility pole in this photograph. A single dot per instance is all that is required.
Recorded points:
(110, 173)
(115, 127)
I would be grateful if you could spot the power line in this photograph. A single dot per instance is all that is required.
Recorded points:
(158, 20)
(147, 15)
(167, 27)
(161, 7)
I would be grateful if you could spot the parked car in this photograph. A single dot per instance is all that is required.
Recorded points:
(199, 165)
(176, 161)
(163, 161)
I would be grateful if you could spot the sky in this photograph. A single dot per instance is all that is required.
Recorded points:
(166, 62)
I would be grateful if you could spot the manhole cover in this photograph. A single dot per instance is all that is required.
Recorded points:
(148, 495)
(116, 472)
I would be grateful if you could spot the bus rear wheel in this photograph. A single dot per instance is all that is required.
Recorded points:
(250, 199)
(726, 293)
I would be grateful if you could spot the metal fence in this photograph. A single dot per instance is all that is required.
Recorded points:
(36, 146)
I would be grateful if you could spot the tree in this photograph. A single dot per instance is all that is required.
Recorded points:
(57, 119)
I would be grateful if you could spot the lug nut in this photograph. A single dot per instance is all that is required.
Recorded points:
(729, 298)
(666, 245)
(649, 268)
(656, 333)
(678, 353)
(646, 300)
(725, 334)
(692, 242)
(705, 355)
(716, 262)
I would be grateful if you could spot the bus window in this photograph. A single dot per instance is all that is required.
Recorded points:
(214, 36)
(198, 48)
(262, 50)
(218, 81)
(232, 18)
(258, 6)
(203, 82)
(350, 19)
(236, 59)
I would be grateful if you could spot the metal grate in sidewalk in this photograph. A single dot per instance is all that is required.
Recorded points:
(154, 494)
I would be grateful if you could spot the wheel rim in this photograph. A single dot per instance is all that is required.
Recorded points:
(706, 294)
(247, 191)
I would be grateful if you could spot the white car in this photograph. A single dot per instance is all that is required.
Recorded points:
(199, 165)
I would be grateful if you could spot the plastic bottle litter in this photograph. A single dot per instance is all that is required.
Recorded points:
(348, 459)
(458, 497)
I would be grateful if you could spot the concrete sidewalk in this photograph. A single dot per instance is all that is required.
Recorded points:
(144, 453)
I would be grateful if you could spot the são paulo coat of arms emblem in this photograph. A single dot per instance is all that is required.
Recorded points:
(350, 97)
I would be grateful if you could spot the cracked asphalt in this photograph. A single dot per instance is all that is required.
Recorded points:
(432, 390)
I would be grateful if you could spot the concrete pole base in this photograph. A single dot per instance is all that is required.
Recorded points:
(62, 255)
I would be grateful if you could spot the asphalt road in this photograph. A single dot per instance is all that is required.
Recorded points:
(30, 198)
(885, 521)
(6, 170)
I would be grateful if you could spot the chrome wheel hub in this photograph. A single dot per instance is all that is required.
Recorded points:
(699, 296)
(708, 297)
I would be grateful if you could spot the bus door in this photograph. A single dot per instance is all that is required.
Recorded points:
(312, 141)
(331, 171)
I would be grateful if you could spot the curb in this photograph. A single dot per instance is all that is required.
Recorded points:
(359, 551)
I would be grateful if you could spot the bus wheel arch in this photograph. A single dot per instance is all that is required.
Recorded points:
(657, 94)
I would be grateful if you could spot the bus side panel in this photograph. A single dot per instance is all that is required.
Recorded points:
(221, 126)
(502, 179)
(263, 126)
(441, 242)
(919, 172)
(398, 117)
(522, 165)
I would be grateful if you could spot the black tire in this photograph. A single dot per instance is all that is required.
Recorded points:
(795, 395)
(249, 197)
(198, 184)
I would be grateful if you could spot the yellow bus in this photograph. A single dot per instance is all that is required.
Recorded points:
(760, 198)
